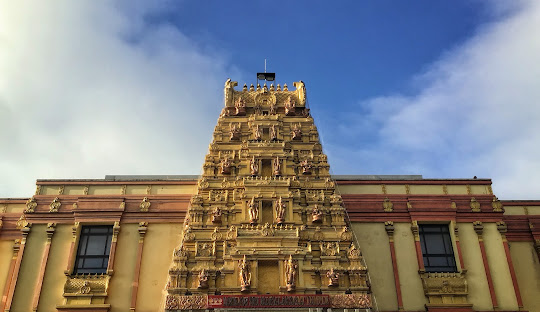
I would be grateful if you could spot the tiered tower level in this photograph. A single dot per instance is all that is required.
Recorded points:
(266, 218)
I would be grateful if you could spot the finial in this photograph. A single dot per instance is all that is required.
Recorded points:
(245, 87)
(258, 87)
(265, 88)
(271, 87)
(278, 87)
(251, 88)
(285, 88)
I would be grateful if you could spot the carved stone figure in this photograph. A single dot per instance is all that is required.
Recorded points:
(316, 215)
(216, 215)
(203, 279)
(245, 274)
(257, 133)
(273, 133)
(296, 132)
(239, 107)
(301, 90)
(329, 248)
(306, 166)
(333, 277)
(253, 211)
(225, 166)
(273, 108)
(290, 107)
(235, 132)
(290, 273)
(280, 211)
(276, 165)
(228, 91)
(254, 166)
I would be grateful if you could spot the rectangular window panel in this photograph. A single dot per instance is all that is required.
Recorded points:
(437, 250)
(93, 249)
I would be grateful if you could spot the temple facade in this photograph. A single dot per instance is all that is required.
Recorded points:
(265, 226)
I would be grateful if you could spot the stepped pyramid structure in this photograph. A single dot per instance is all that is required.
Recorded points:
(266, 228)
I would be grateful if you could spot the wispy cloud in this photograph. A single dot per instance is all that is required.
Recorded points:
(89, 88)
(476, 112)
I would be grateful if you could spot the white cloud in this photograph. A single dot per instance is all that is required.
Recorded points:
(476, 113)
(89, 88)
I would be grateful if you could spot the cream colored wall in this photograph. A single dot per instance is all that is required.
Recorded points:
(54, 278)
(6, 254)
(31, 262)
(498, 265)
(407, 263)
(431, 189)
(124, 268)
(527, 267)
(476, 277)
(375, 247)
(159, 243)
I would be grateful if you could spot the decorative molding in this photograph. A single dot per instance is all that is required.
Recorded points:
(144, 205)
(475, 205)
(445, 289)
(388, 206)
(31, 205)
(497, 205)
(55, 205)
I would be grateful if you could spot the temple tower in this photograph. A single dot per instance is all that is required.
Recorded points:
(266, 219)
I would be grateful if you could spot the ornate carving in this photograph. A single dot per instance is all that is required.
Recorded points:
(55, 205)
(148, 189)
(280, 211)
(318, 235)
(203, 183)
(448, 289)
(273, 133)
(205, 249)
(86, 284)
(316, 214)
(306, 166)
(388, 206)
(203, 279)
(253, 211)
(254, 166)
(267, 230)
(333, 278)
(478, 227)
(353, 253)
(31, 205)
(22, 222)
(329, 248)
(239, 107)
(123, 190)
(225, 166)
(350, 301)
(3, 208)
(38, 190)
(290, 106)
(216, 215)
(188, 234)
(234, 132)
(257, 134)
(497, 205)
(296, 132)
(276, 166)
(216, 235)
(61, 190)
(194, 302)
(475, 205)
(245, 274)
(144, 205)
(291, 267)
(85, 190)
(232, 233)
(346, 234)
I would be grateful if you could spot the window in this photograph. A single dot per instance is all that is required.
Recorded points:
(93, 251)
(437, 248)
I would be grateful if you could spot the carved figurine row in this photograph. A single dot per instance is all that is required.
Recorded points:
(235, 133)
(280, 208)
(226, 166)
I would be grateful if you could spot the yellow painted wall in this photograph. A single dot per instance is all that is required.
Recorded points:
(407, 262)
(476, 276)
(359, 189)
(498, 265)
(6, 254)
(124, 268)
(426, 189)
(527, 269)
(30, 265)
(159, 243)
(54, 278)
(375, 247)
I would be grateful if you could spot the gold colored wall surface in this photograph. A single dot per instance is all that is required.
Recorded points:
(375, 245)
(124, 268)
(407, 263)
(159, 243)
(6, 254)
(28, 273)
(476, 275)
(527, 268)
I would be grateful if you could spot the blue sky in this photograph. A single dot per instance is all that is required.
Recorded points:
(446, 89)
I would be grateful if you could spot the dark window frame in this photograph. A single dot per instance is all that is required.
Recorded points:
(437, 248)
(93, 250)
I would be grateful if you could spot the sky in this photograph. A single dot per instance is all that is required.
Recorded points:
(445, 89)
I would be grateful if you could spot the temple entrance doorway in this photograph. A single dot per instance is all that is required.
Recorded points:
(268, 277)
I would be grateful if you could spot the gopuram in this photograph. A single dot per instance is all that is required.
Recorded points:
(266, 228)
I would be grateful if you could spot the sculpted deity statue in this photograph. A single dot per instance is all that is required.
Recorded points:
(290, 273)
(225, 166)
(234, 132)
(306, 166)
(203, 279)
(253, 211)
(273, 133)
(276, 165)
(273, 108)
(290, 107)
(228, 91)
(296, 132)
(245, 274)
(333, 277)
(316, 215)
(254, 166)
(216, 215)
(240, 107)
(280, 211)
(257, 133)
